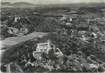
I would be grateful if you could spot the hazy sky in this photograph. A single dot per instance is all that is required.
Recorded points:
(54, 1)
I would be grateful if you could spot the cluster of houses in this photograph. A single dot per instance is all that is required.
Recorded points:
(87, 28)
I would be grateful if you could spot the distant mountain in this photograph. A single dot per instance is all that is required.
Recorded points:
(22, 4)
(78, 5)
(26, 4)
(17, 4)
(5, 3)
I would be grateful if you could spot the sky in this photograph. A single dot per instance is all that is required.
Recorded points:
(54, 1)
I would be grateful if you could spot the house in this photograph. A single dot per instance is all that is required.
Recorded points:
(16, 18)
(45, 47)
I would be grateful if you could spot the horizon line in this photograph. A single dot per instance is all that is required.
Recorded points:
(54, 3)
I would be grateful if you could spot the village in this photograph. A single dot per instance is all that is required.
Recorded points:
(71, 41)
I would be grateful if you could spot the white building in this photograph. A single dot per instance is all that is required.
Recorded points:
(45, 47)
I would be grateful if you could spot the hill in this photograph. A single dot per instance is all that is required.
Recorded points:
(17, 4)
(26, 4)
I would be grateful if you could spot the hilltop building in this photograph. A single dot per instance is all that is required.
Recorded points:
(45, 47)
